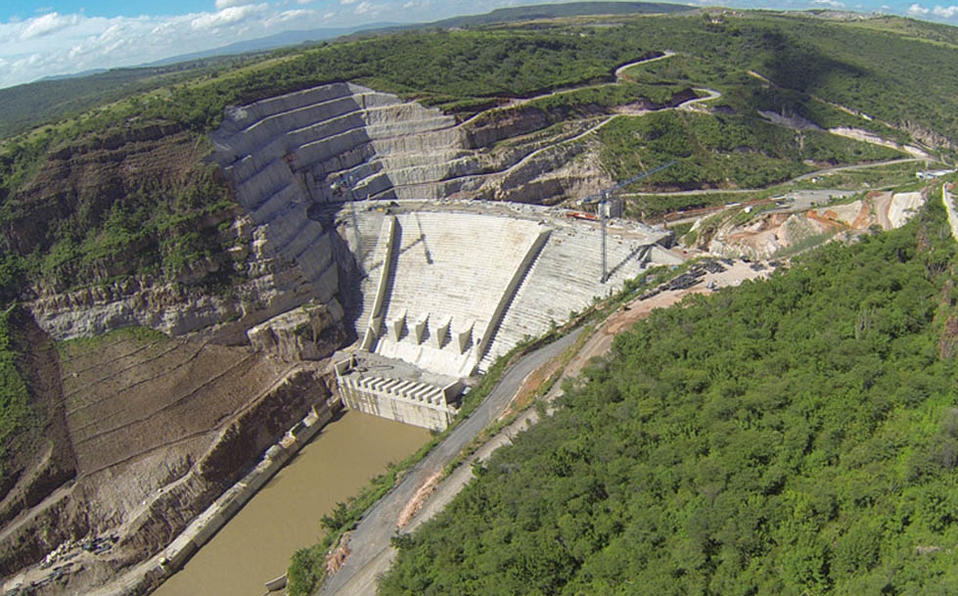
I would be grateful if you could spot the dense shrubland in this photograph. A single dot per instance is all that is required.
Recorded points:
(724, 150)
(15, 408)
(798, 436)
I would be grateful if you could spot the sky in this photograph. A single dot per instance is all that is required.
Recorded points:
(40, 38)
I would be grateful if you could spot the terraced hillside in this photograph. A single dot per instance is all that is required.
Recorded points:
(159, 427)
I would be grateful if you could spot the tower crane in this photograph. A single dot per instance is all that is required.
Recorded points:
(602, 197)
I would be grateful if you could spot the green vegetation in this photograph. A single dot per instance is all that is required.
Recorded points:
(45, 102)
(111, 226)
(871, 72)
(885, 176)
(723, 151)
(86, 345)
(608, 96)
(653, 207)
(15, 409)
(815, 65)
(788, 437)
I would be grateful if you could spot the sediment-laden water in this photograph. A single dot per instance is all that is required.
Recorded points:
(255, 546)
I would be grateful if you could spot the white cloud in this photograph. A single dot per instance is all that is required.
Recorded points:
(47, 24)
(290, 15)
(221, 4)
(831, 3)
(942, 12)
(945, 12)
(228, 16)
(52, 43)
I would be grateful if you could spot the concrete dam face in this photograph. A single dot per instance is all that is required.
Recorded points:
(353, 186)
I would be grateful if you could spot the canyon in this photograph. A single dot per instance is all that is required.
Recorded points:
(350, 218)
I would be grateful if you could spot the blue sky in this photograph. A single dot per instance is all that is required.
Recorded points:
(41, 38)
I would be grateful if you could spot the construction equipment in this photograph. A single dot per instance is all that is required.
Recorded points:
(601, 201)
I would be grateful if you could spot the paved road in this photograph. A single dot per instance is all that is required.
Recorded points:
(370, 541)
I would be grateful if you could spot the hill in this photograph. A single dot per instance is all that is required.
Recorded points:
(49, 100)
(795, 436)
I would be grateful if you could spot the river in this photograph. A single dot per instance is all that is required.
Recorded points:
(256, 545)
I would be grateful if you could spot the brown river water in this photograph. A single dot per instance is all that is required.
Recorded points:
(256, 545)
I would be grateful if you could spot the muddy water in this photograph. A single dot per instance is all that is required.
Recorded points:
(255, 546)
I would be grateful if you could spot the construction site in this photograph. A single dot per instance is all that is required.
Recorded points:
(447, 285)
(392, 255)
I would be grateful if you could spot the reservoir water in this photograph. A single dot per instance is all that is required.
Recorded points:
(256, 545)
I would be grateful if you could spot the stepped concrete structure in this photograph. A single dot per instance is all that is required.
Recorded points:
(397, 390)
(451, 286)
(302, 143)
(444, 282)
(447, 286)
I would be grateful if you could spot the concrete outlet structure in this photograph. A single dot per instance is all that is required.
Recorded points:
(392, 389)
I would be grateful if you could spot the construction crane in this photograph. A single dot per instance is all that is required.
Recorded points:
(600, 200)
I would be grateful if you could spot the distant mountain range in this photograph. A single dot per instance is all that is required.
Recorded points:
(273, 42)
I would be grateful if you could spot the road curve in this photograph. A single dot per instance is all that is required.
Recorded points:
(620, 71)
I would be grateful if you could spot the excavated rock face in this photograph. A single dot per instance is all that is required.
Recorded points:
(306, 333)
(142, 434)
(343, 141)
(929, 138)
(294, 161)
(769, 233)
(40, 460)
(147, 235)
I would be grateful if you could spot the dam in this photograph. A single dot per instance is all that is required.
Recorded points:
(350, 187)
(359, 216)
(346, 181)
